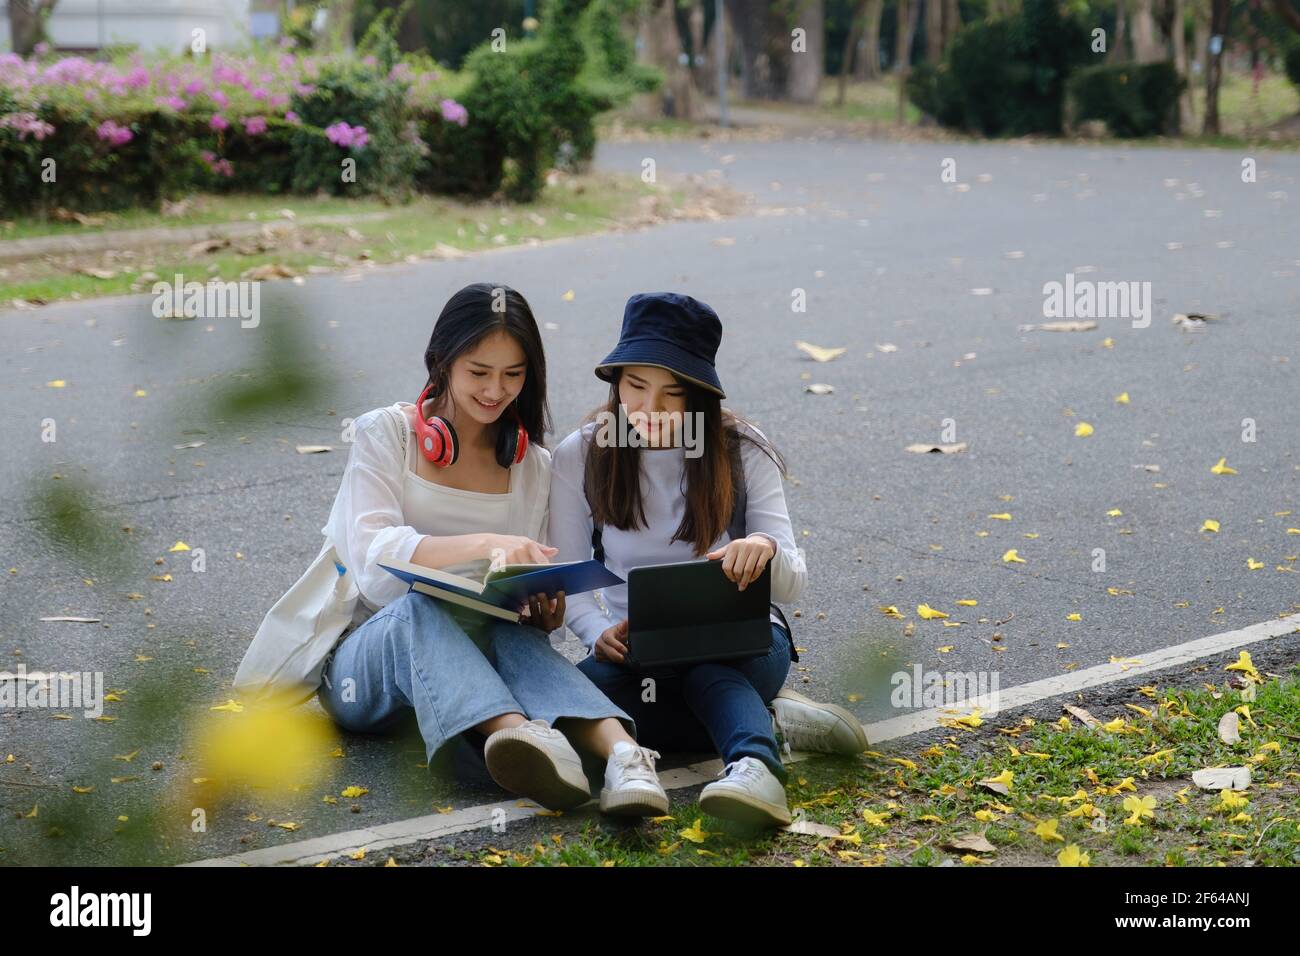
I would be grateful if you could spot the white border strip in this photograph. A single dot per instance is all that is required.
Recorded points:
(386, 836)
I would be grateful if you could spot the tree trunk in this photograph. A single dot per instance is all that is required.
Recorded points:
(27, 24)
(807, 68)
(663, 47)
(764, 40)
(1200, 36)
(908, 13)
(856, 25)
(1186, 114)
(700, 61)
(933, 31)
(1220, 12)
(1116, 53)
(870, 61)
(1145, 47)
(951, 21)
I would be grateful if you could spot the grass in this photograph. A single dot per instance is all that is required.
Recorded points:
(571, 207)
(875, 101)
(1245, 114)
(908, 809)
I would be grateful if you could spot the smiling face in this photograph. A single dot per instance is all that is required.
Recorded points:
(655, 403)
(488, 377)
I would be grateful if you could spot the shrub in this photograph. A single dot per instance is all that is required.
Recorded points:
(1005, 76)
(1133, 99)
(1293, 63)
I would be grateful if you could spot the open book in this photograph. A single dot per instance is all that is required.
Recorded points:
(504, 592)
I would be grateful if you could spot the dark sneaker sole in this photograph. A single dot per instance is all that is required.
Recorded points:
(730, 805)
(518, 765)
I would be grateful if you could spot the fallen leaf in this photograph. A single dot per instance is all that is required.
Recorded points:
(819, 354)
(1002, 783)
(1046, 831)
(1229, 728)
(1073, 856)
(1058, 327)
(694, 833)
(1083, 715)
(971, 841)
(941, 449)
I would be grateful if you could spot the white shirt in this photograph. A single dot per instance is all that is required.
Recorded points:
(662, 488)
(383, 508)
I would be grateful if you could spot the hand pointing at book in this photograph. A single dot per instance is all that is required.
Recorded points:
(515, 549)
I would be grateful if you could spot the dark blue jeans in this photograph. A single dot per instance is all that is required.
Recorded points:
(720, 705)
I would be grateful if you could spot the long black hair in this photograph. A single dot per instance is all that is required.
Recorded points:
(471, 315)
(612, 474)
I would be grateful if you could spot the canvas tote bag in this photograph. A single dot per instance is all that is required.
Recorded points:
(285, 660)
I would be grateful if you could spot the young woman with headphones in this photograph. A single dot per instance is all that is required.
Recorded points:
(477, 491)
(655, 504)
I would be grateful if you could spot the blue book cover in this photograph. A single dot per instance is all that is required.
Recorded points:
(505, 591)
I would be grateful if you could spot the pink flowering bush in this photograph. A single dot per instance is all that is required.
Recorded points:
(130, 130)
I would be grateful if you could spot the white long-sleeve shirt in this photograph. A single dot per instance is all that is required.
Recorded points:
(383, 508)
(662, 489)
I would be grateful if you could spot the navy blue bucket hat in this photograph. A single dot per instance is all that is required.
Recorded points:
(670, 331)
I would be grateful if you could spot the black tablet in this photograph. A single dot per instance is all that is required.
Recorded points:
(690, 612)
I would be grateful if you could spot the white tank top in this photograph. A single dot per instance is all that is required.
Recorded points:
(435, 509)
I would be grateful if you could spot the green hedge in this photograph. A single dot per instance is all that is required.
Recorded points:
(1133, 99)
(1005, 76)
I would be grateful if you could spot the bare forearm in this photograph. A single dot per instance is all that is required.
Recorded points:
(447, 550)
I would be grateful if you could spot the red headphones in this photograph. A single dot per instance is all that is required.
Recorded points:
(439, 444)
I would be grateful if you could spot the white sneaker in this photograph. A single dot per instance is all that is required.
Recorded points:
(632, 787)
(749, 793)
(803, 724)
(536, 761)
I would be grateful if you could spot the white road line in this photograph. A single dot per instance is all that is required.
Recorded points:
(386, 836)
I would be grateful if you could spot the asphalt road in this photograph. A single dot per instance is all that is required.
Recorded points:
(889, 257)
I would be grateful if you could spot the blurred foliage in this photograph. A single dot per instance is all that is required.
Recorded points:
(1133, 99)
(533, 105)
(73, 521)
(1006, 76)
(284, 373)
(1293, 62)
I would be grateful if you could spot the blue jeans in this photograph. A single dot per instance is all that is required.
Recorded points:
(719, 705)
(456, 669)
